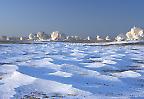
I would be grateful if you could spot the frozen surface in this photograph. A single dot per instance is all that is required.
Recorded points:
(71, 71)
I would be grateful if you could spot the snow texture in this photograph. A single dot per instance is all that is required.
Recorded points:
(71, 71)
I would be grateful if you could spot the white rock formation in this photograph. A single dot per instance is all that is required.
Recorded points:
(41, 36)
(88, 38)
(121, 37)
(21, 38)
(31, 36)
(135, 34)
(98, 38)
(55, 35)
(7, 38)
(107, 38)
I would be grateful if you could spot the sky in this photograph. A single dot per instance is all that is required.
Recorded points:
(72, 17)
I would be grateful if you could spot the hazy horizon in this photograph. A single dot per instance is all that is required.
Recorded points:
(72, 17)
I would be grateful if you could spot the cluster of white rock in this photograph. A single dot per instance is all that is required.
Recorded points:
(41, 36)
(98, 38)
(38, 36)
(134, 34)
(56, 35)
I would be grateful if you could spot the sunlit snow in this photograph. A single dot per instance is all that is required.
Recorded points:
(71, 71)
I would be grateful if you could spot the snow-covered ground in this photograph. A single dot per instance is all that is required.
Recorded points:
(71, 71)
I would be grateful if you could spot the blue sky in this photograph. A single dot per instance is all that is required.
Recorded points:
(72, 17)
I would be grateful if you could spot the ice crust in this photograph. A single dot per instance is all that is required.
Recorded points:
(71, 70)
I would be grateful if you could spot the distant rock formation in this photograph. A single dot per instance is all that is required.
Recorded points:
(88, 38)
(21, 38)
(120, 37)
(31, 36)
(55, 35)
(98, 38)
(135, 34)
(41, 36)
(107, 38)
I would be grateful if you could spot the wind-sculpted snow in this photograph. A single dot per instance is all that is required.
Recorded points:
(71, 71)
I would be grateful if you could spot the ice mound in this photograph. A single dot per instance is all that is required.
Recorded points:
(61, 74)
(95, 65)
(16, 79)
(127, 74)
(8, 68)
